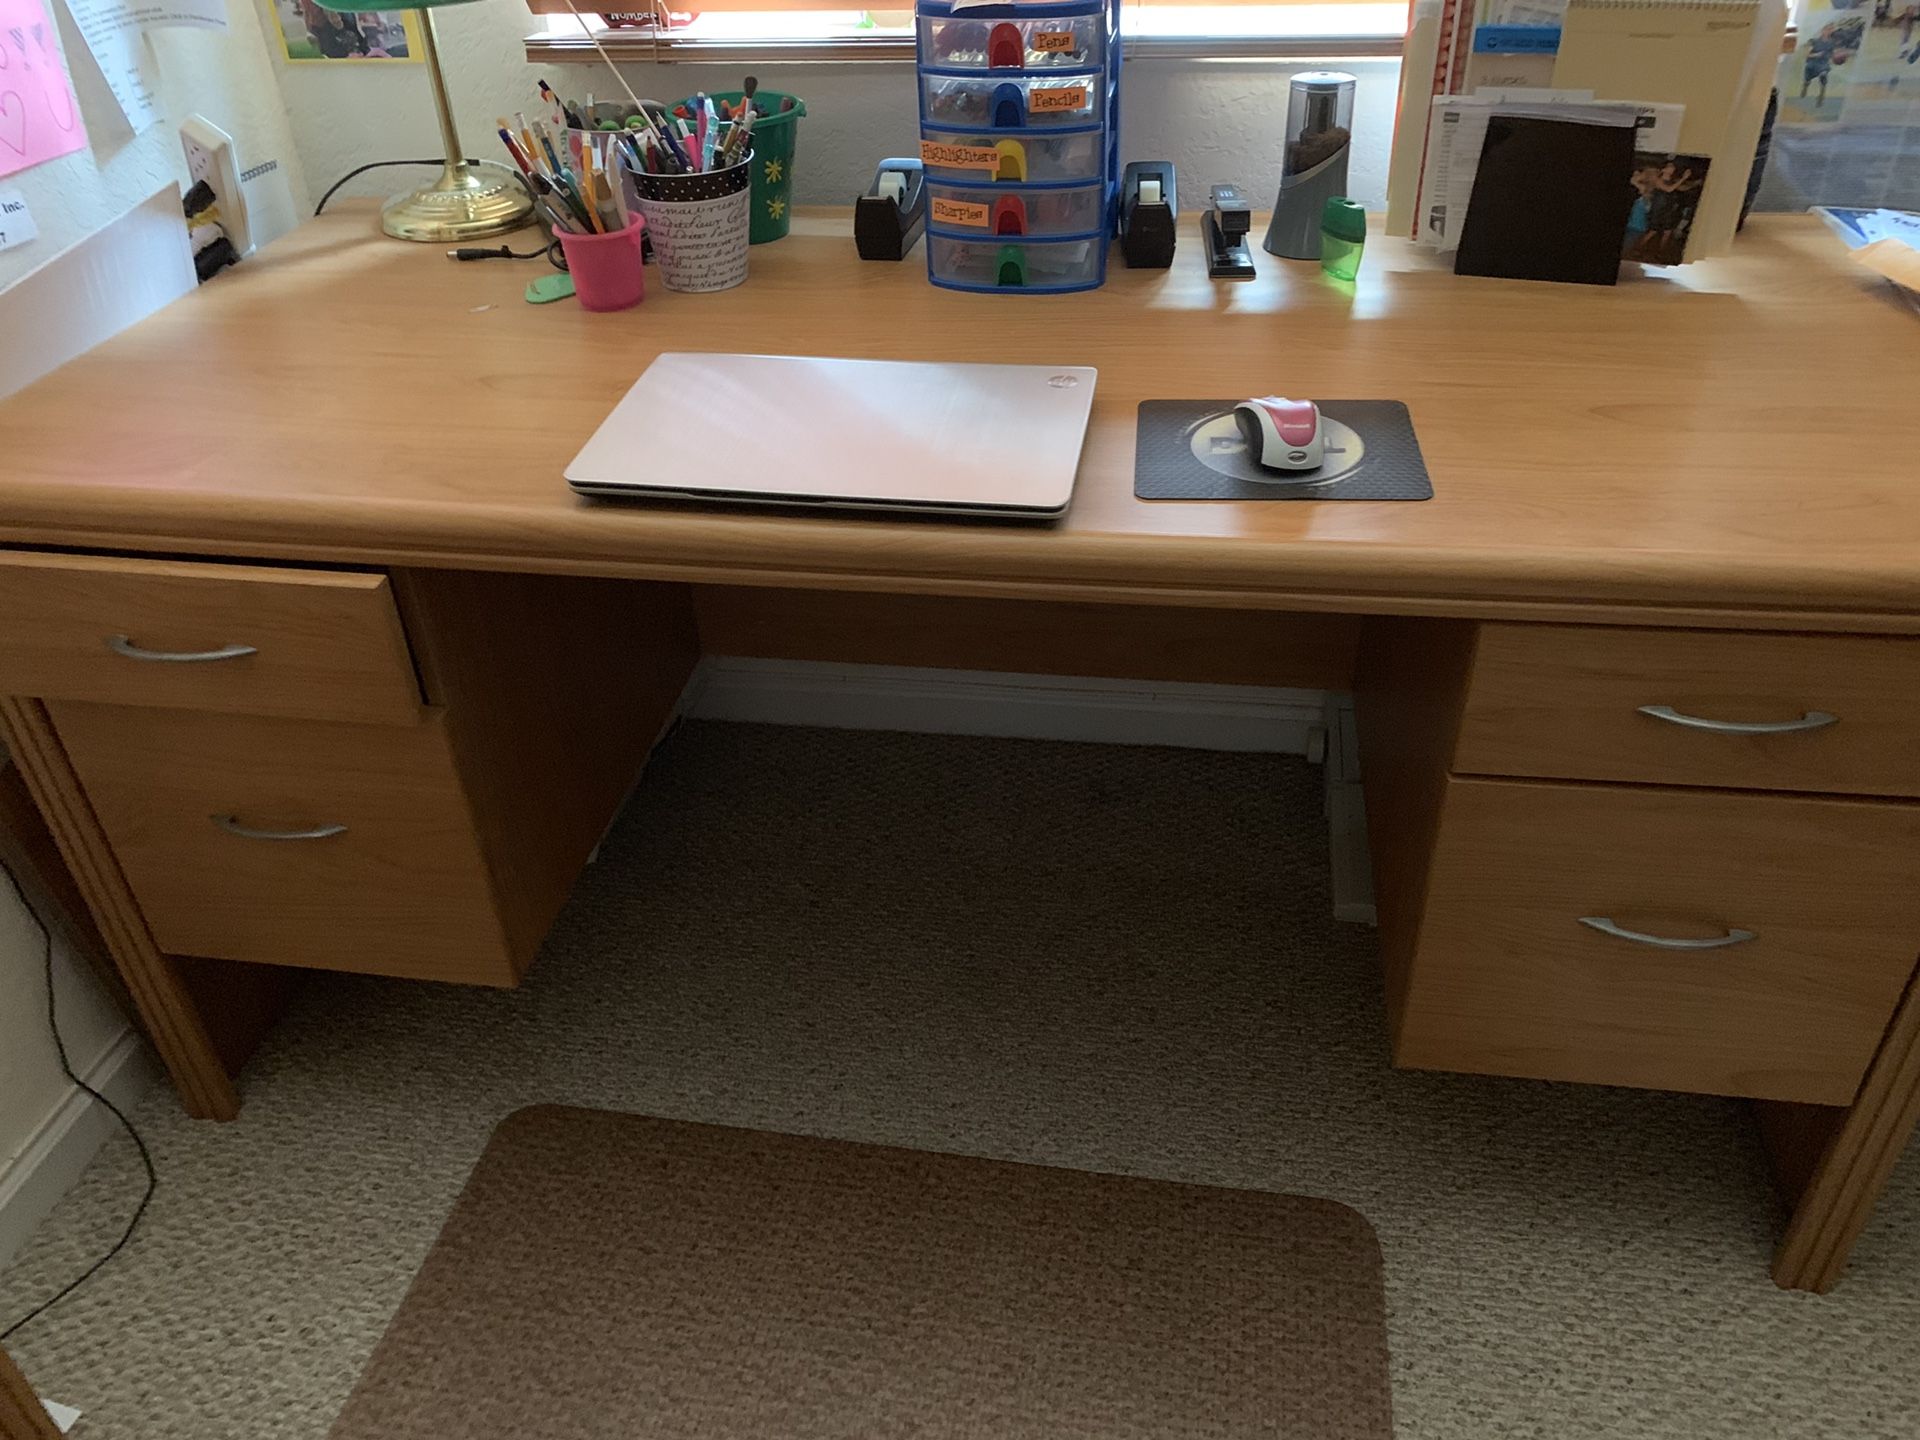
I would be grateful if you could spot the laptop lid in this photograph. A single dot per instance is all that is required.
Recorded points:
(797, 429)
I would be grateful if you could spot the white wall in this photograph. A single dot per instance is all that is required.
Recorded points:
(1216, 121)
(225, 76)
(48, 1131)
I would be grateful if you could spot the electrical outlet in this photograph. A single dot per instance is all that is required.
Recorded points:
(210, 157)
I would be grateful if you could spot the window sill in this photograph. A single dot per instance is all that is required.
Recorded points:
(644, 47)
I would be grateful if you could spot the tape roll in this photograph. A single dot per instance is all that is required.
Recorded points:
(1150, 192)
(893, 186)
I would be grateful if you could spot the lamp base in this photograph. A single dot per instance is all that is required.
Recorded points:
(458, 207)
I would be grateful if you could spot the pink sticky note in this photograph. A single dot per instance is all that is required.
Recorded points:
(39, 120)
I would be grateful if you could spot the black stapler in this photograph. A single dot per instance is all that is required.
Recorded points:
(1148, 212)
(890, 218)
(1226, 225)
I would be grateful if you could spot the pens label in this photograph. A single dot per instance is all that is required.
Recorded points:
(1054, 40)
(960, 212)
(959, 157)
(1057, 98)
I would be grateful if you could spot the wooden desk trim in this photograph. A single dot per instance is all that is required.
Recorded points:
(1746, 547)
(1144, 587)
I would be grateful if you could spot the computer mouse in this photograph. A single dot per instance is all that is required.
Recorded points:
(1281, 434)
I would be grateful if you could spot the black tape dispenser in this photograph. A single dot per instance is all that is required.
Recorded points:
(890, 218)
(1149, 212)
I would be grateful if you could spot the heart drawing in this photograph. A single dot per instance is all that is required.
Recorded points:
(13, 121)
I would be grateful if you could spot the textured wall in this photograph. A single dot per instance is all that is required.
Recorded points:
(1216, 121)
(226, 77)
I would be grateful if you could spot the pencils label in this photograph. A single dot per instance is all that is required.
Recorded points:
(960, 212)
(959, 157)
(1057, 98)
(1052, 40)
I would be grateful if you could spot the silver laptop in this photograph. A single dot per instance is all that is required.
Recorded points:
(1000, 440)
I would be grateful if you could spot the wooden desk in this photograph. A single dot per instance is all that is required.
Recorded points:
(346, 456)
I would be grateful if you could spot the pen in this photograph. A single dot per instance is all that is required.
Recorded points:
(709, 131)
(614, 163)
(553, 158)
(555, 186)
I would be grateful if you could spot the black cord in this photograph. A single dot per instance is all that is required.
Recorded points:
(499, 252)
(66, 1068)
(334, 188)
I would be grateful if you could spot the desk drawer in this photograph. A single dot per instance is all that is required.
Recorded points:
(401, 888)
(1506, 979)
(322, 644)
(1564, 701)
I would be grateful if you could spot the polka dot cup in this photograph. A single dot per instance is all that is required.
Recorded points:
(698, 223)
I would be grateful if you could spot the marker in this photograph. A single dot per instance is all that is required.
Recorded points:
(514, 150)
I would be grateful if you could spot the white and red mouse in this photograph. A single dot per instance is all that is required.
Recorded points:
(1281, 434)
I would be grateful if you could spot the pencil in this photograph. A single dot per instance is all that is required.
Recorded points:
(587, 188)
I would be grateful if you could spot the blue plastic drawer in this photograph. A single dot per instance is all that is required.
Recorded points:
(1039, 158)
(1016, 265)
(1067, 42)
(1013, 102)
(966, 211)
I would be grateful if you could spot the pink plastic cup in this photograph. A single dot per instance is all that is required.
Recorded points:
(606, 269)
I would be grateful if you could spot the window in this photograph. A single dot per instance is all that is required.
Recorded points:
(756, 30)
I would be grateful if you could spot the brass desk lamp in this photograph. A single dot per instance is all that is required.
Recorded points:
(465, 203)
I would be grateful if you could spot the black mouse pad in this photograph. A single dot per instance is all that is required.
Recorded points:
(1192, 450)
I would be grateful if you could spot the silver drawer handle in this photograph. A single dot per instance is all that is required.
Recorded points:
(1662, 942)
(121, 645)
(247, 832)
(1812, 720)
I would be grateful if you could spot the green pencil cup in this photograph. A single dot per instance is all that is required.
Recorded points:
(774, 136)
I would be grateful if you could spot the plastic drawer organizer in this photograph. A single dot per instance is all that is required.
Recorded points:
(1019, 129)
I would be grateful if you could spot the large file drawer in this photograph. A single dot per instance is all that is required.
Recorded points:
(346, 847)
(1685, 940)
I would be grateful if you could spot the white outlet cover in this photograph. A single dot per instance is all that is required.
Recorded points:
(210, 157)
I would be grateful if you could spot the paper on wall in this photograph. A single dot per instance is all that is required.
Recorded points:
(17, 225)
(39, 118)
(62, 1416)
(116, 47)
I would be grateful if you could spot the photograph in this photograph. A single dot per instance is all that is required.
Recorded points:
(1666, 195)
(310, 33)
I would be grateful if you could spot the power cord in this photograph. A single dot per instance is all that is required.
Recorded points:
(550, 252)
(360, 170)
(66, 1068)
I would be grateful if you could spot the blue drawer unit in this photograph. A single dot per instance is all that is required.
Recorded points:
(1020, 132)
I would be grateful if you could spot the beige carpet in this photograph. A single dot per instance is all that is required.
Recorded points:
(607, 1276)
(1095, 957)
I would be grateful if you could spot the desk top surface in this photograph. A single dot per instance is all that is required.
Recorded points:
(1736, 436)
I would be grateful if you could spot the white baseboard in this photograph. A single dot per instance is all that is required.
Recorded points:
(33, 1182)
(986, 702)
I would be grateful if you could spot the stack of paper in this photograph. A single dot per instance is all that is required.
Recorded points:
(1696, 73)
(1887, 242)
